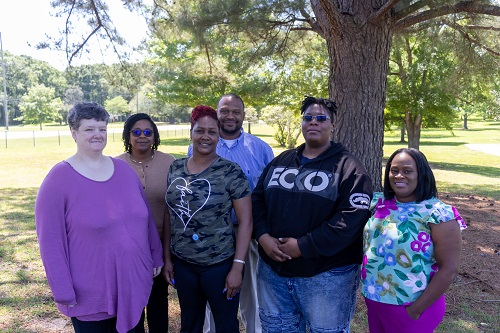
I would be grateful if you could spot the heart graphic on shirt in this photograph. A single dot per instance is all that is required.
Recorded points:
(190, 197)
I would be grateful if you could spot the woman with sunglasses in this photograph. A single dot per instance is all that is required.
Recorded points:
(141, 140)
(309, 209)
(98, 240)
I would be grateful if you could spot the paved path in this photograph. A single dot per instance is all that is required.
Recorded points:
(49, 133)
(488, 148)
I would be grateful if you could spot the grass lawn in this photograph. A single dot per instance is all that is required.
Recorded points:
(25, 300)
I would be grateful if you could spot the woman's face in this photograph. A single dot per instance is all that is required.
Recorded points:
(316, 133)
(403, 177)
(91, 136)
(205, 135)
(140, 141)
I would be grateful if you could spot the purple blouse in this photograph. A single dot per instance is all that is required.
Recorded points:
(98, 242)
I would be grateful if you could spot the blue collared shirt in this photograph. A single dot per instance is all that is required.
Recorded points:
(250, 152)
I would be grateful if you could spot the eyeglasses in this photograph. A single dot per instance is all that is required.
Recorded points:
(137, 132)
(319, 118)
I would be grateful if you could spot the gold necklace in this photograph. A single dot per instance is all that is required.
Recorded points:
(141, 162)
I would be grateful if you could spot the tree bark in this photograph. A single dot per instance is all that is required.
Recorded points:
(413, 127)
(359, 56)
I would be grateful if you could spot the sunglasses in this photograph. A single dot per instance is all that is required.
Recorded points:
(319, 118)
(137, 132)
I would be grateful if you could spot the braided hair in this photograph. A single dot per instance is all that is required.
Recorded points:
(130, 122)
(327, 103)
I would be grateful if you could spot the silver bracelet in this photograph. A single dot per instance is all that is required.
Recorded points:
(240, 261)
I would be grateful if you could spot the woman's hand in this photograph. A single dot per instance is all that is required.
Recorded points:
(233, 281)
(157, 271)
(271, 246)
(168, 272)
(415, 315)
(289, 246)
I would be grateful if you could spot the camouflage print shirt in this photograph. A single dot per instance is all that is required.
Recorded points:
(200, 210)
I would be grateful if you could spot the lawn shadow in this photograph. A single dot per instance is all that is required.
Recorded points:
(483, 190)
(485, 171)
(176, 141)
(426, 143)
(264, 135)
(20, 203)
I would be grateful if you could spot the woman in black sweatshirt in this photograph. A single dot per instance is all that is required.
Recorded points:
(309, 209)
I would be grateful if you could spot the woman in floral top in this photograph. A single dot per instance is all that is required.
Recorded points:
(412, 248)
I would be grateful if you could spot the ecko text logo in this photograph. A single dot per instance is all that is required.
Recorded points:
(304, 180)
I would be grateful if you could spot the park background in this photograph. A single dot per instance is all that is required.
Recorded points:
(466, 178)
(413, 73)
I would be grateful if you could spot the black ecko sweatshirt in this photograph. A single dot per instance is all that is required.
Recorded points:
(324, 203)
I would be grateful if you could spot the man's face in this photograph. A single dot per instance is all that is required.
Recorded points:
(231, 114)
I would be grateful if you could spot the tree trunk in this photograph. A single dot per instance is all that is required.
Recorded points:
(403, 133)
(359, 57)
(465, 121)
(413, 127)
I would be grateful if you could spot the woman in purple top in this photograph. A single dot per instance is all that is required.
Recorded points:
(98, 239)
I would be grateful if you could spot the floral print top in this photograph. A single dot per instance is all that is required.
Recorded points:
(398, 260)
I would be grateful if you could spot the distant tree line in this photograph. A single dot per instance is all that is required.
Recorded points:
(38, 93)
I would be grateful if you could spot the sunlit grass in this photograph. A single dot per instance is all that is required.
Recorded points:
(26, 304)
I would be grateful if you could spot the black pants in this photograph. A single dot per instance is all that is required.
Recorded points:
(198, 284)
(100, 326)
(157, 308)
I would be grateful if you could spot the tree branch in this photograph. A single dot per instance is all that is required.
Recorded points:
(405, 11)
(461, 7)
(312, 22)
(99, 25)
(383, 10)
(479, 27)
(467, 36)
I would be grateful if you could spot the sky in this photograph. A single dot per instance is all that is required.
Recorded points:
(24, 24)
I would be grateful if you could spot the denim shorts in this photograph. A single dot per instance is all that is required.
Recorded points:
(322, 303)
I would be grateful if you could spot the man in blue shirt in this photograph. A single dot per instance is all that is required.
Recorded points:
(252, 155)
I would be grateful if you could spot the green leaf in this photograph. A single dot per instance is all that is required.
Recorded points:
(417, 269)
(401, 275)
(401, 291)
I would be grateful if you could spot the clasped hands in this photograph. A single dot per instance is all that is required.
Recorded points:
(280, 249)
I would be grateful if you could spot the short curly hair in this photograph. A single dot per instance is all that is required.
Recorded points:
(127, 127)
(201, 111)
(330, 105)
(86, 110)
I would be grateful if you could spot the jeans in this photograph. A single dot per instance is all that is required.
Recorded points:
(198, 284)
(322, 303)
(249, 306)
